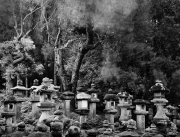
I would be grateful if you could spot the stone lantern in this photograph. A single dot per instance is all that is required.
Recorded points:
(9, 113)
(168, 111)
(93, 100)
(140, 114)
(45, 103)
(82, 102)
(172, 113)
(175, 114)
(159, 100)
(19, 92)
(124, 105)
(34, 97)
(131, 107)
(110, 110)
(67, 96)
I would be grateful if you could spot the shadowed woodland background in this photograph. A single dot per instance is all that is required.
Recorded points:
(118, 44)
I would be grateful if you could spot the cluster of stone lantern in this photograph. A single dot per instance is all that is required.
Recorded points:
(84, 100)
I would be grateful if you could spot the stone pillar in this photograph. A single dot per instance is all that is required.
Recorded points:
(124, 105)
(140, 114)
(150, 113)
(93, 101)
(67, 96)
(111, 113)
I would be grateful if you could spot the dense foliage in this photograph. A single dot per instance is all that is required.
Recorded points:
(123, 45)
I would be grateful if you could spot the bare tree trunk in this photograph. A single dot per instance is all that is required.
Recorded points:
(55, 69)
(75, 73)
(26, 80)
(9, 83)
(18, 77)
(61, 71)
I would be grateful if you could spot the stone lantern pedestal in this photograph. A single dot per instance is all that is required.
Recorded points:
(34, 101)
(140, 114)
(67, 96)
(8, 118)
(175, 115)
(168, 111)
(124, 105)
(160, 119)
(82, 101)
(93, 100)
(111, 113)
(150, 112)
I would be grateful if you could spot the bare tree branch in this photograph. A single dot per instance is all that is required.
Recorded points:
(15, 21)
(31, 29)
(34, 10)
(57, 37)
(71, 41)
(95, 45)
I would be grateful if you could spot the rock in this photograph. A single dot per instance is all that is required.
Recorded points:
(42, 128)
(18, 134)
(57, 126)
(58, 112)
(39, 134)
(73, 131)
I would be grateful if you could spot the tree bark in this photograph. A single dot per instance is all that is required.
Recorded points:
(75, 73)
(61, 71)
(9, 83)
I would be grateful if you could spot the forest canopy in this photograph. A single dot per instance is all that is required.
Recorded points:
(117, 44)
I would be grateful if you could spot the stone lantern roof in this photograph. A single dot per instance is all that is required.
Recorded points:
(159, 87)
(109, 97)
(124, 95)
(170, 107)
(83, 96)
(67, 95)
(82, 89)
(112, 111)
(140, 101)
(159, 100)
(93, 89)
(10, 99)
(20, 88)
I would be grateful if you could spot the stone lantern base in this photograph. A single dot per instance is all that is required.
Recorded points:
(45, 107)
(83, 114)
